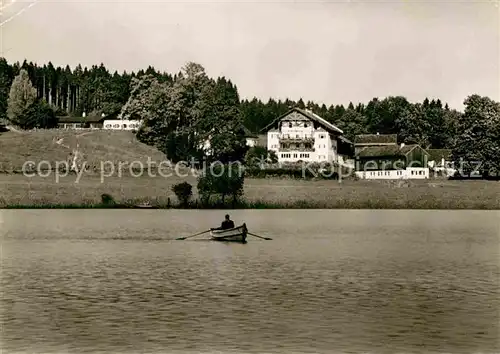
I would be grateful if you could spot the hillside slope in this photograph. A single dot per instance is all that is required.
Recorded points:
(93, 147)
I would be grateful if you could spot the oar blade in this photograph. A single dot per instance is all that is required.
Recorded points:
(262, 237)
(198, 234)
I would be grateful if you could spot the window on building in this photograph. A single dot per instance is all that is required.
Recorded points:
(290, 125)
(297, 136)
(305, 125)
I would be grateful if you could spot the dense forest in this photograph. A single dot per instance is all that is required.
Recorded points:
(179, 104)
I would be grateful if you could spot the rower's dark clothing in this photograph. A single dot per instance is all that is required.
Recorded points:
(227, 224)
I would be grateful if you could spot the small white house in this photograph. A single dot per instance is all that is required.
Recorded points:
(121, 124)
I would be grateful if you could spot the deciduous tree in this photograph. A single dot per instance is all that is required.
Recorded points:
(478, 140)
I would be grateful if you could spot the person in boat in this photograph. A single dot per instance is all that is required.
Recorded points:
(226, 224)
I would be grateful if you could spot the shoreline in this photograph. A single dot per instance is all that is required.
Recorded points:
(257, 205)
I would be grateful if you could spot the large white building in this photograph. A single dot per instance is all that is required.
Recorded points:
(301, 135)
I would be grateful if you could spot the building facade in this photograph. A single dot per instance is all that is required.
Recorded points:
(303, 136)
(121, 124)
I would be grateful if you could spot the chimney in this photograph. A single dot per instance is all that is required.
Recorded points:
(84, 114)
(402, 145)
(378, 133)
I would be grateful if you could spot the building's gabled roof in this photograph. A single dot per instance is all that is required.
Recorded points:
(88, 119)
(345, 140)
(323, 122)
(438, 154)
(376, 139)
(388, 150)
(310, 115)
(248, 133)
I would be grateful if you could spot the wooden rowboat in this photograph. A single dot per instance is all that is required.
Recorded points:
(237, 234)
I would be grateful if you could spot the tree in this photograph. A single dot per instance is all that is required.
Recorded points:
(256, 156)
(5, 82)
(38, 115)
(169, 113)
(218, 120)
(224, 180)
(478, 141)
(383, 114)
(22, 95)
(183, 191)
(352, 123)
(413, 125)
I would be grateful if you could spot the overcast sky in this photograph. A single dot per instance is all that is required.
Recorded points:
(331, 52)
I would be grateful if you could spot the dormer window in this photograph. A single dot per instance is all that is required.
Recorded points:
(305, 125)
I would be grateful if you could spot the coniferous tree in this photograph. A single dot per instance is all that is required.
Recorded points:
(22, 95)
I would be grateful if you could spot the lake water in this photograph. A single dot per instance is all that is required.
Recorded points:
(330, 281)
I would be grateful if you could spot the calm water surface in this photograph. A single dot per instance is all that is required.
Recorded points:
(115, 281)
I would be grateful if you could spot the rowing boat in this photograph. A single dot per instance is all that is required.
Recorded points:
(237, 234)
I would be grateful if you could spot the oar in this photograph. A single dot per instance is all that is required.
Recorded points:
(183, 238)
(264, 238)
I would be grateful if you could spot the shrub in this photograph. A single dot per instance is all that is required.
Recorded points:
(257, 156)
(107, 199)
(183, 191)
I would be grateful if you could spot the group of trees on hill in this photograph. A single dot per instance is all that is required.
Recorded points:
(181, 110)
(181, 114)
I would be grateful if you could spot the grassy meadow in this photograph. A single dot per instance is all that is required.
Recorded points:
(17, 190)
(54, 145)
(94, 147)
